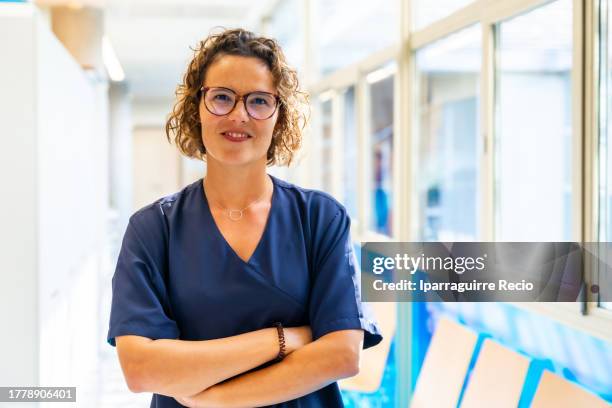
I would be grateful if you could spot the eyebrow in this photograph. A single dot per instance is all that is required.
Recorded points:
(233, 90)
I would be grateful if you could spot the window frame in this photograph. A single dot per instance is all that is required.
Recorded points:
(594, 106)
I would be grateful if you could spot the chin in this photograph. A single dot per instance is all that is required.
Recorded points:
(237, 159)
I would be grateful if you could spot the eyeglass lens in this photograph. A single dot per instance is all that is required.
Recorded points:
(221, 101)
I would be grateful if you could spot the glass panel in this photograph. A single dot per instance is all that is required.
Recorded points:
(533, 146)
(427, 11)
(448, 74)
(285, 25)
(347, 31)
(326, 145)
(351, 159)
(381, 149)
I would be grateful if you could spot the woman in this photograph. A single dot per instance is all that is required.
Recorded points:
(241, 289)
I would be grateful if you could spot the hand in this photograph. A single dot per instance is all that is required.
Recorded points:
(297, 337)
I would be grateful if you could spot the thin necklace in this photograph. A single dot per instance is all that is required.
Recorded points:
(235, 215)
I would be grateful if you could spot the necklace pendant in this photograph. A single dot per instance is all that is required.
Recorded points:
(235, 215)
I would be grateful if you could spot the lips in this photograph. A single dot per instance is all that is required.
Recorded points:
(236, 136)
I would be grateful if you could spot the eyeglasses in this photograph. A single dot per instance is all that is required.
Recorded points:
(221, 101)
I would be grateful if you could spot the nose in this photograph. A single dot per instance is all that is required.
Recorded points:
(239, 113)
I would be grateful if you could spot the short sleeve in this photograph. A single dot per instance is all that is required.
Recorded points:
(140, 300)
(335, 299)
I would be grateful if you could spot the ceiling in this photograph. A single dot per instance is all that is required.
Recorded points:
(152, 38)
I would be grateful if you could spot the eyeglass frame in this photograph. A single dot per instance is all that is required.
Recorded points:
(239, 97)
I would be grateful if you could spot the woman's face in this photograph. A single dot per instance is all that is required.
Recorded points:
(242, 75)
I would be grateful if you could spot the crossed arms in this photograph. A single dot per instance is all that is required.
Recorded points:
(194, 372)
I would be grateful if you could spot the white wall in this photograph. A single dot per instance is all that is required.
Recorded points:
(53, 208)
(157, 166)
(19, 200)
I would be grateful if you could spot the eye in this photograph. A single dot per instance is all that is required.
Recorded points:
(260, 100)
(222, 98)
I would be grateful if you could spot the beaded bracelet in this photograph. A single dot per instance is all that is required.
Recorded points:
(281, 341)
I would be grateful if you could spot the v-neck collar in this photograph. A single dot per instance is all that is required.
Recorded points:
(217, 231)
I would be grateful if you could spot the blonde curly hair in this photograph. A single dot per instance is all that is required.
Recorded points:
(183, 125)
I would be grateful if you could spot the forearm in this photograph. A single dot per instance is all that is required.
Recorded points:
(179, 367)
(306, 370)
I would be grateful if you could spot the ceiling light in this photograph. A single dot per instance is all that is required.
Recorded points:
(111, 62)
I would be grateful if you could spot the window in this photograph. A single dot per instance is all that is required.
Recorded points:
(381, 148)
(448, 75)
(285, 25)
(604, 228)
(533, 143)
(351, 158)
(347, 31)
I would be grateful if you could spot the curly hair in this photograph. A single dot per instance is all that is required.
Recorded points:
(183, 124)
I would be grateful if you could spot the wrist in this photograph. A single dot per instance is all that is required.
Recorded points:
(282, 346)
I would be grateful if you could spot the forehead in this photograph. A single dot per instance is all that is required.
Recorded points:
(242, 74)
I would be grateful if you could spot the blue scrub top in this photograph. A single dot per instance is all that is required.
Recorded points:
(178, 278)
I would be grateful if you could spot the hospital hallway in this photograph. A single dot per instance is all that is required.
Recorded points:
(425, 128)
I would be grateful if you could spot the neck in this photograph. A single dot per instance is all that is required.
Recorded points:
(236, 187)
